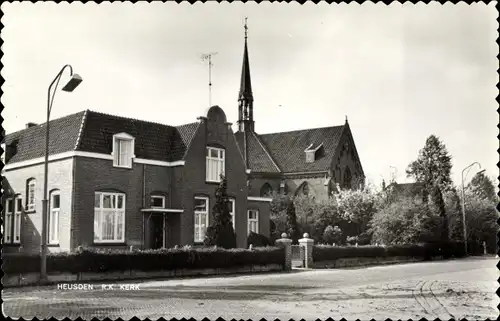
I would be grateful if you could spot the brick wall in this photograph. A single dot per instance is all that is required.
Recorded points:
(59, 178)
(93, 175)
(189, 180)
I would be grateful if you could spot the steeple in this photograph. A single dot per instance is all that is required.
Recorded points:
(245, 97)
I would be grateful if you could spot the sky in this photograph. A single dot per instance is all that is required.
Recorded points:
(399, 73)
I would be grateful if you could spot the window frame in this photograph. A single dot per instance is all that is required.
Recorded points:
(232, 211)
(30, 201)
(220, 161)
(252, 220)
(18, 212)
(50, 239)
(199, 226)
(162, 197)
(8, 220)
(116, 214)
(116, 150)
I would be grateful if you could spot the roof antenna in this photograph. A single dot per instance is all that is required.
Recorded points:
(208, 57)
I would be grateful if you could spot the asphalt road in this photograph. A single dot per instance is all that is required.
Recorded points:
(442, 289)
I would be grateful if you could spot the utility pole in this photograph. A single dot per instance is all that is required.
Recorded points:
(208, 57)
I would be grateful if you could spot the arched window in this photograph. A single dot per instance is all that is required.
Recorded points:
(266, 190)
(304, 189)
(347, 178)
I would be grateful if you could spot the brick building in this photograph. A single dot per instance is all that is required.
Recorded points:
(120, 182)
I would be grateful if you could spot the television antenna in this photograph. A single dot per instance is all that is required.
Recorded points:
(208, 57)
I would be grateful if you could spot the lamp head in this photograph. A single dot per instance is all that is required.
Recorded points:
(72, 83)
(480, 172)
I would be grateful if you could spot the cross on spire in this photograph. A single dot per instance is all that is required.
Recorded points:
(246, 28)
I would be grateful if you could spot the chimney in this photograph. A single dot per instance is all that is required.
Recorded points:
(29, 125)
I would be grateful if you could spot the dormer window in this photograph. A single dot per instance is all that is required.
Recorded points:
(311, 152)
(123, 150)
(157, 201)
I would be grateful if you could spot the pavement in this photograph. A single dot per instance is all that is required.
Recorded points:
(441, 289)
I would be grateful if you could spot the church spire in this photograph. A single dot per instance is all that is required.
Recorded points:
(245, 97)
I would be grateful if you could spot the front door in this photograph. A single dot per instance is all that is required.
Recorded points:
(158, 229)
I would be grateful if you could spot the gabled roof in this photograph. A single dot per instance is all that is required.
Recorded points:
(287, 148)
(258, 158)
(93, 132)
(64, 133)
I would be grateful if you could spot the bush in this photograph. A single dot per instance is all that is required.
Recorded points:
(258, 240)
(424, 250)
(106, 260)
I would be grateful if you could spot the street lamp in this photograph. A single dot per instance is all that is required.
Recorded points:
(464, 227)
(69, 87)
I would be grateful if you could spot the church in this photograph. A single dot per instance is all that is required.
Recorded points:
(303, 162)
(121, 182)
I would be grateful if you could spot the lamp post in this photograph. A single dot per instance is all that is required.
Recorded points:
(464, 226)
(69, 87)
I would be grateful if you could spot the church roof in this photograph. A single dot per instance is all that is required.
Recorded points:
(287, 148)
(258, 158)
(285, 151)
(93, 132)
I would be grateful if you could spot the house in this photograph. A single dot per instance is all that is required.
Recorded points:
(121, 182)
(311, 161)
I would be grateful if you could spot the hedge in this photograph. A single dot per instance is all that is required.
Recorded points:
(425, 250)
(106, 260)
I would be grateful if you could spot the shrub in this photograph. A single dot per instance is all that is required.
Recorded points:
(426, 251)
(105, 260)
(258, 240)
(332, 234)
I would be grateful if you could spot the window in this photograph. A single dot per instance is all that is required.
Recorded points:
(109, 217)
(123, 150)
(232, 211)
(215, 164)
(7, 236)
(266, 190)
(30, 195)
(157, 201)
(253, 221)
(17, 220)
(200, 218)
(55, 205)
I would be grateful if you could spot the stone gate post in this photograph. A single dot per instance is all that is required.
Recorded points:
(287, 244)
(307, 246)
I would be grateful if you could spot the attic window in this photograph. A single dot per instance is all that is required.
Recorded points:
(123, 150)
(311, 152)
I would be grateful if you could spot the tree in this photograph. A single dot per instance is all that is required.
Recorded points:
(482, 186)
(279, 205)
(433, 165)
(453, 205)
(481, 220)
(221, 232)
(292, 228)
(406, 220)
(357, 208)
(433, 169)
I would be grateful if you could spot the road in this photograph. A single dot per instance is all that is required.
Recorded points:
(441, 289)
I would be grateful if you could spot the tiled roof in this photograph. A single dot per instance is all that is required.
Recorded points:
(259, 159)
(407, 189)
(31, 141)
(287, 148)
(152, 140)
